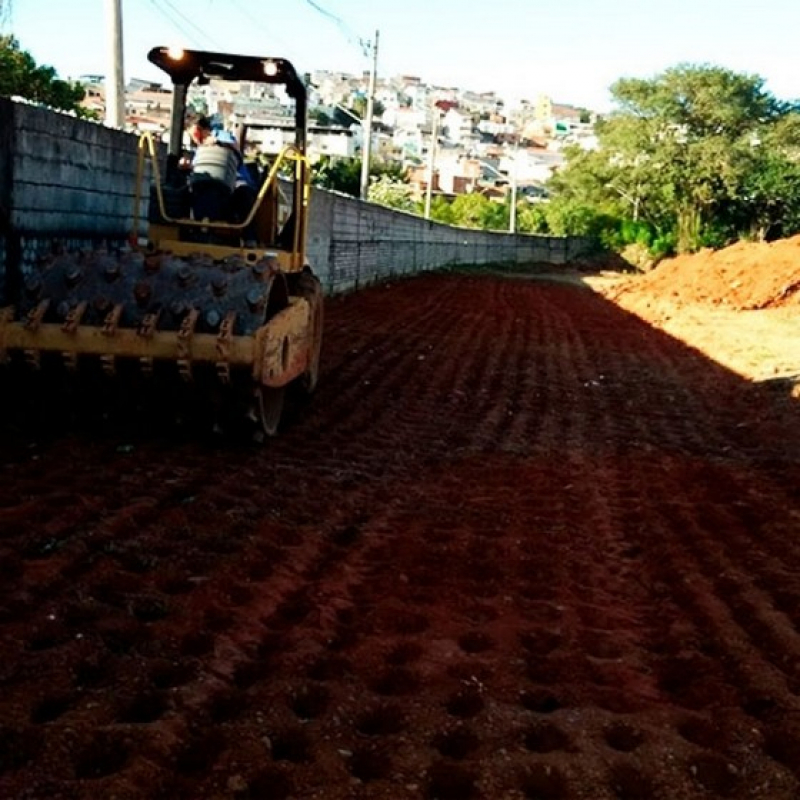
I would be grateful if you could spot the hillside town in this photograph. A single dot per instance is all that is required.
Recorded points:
(469, 141)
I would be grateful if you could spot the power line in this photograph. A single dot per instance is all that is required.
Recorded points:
(258, 24)
(173, 15)
(348, 32)
(191, 22)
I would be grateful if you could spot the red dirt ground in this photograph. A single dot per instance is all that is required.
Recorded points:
(521, 545)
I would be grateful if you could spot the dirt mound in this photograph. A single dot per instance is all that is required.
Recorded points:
(744, 276)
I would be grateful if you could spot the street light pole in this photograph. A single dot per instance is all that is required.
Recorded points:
(115, 81)
(431, 159)
(512, 225)
(367, 130)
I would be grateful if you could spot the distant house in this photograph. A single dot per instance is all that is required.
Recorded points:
(457, 127)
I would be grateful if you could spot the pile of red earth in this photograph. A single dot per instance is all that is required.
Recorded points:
(744, 276)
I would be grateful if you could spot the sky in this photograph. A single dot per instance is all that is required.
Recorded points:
(570, 50)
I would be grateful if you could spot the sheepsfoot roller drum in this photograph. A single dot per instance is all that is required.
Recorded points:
(235, 332)
(219, 311)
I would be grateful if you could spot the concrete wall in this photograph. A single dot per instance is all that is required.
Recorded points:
(70, 184)
(352, 243)
(63, 182)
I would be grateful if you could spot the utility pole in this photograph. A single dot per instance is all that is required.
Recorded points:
(367, 129)
(512, 225)
(115, 81)
(431, 159)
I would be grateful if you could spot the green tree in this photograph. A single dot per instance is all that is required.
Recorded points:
(679, 159)
(496, 215)
(442, 210)
(21, 76)
(319, 116)
(469, 209)
(532, 218)
(359, 107)
(391, 192)
(338, 174)
(344, 174)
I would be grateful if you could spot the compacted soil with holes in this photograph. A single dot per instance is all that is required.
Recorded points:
(521, 545)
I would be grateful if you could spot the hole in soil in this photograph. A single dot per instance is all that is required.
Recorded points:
(617, 701)
(624, 738)
(329, 668)
(369, 765)
(261, 569)
(407, 622)
(175, 585)
(240, 595)
(271, 784)
(137, 563)
(248, 673)
(50, 709)
(544, 782)
(783, 744)
(270, 645)
(540, 701)
(345, 638)
(404, 653)
(469, 672)
(546, 738)
(692, 681)
(465, 703)
(18, 747)
(197, 644)
(48, 639)
(292, 612)
(143, 708)
(381, 721)
(41, 549)
(481, 614)
(200, 753)
(106, 755)
(80, 613)
(346, 537)
(217, 620)
(346, 616)
(629, 783)
(121, 639)
(291, 745)
(309, 702)
(94, 672)
(226, 706)
(450, 782)
(700, 732)
(601, 645)
(457, 744)
(111, 593)
(396, 681)
(149, 608)
(540, 642)
(169, 675)
(631, 553)
(475, 642)
(715, 774)
(760, 706)
(11, 565)
(543, 670)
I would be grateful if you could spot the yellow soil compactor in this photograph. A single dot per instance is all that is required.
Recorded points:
(217, 301)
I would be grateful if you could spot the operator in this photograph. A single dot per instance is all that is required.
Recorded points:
(198, 133)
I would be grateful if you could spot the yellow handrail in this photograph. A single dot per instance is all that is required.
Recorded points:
(289, 153)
